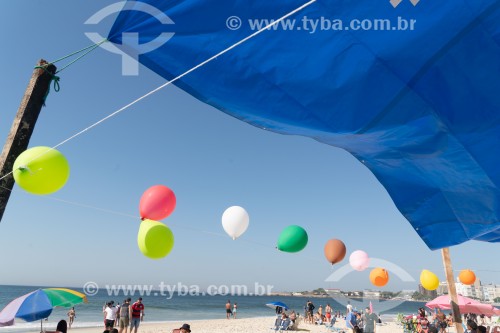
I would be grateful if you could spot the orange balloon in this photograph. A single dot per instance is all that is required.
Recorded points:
(379, 277)
(335, 251)
(467, 277)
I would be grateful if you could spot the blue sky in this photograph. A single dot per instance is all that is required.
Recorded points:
(88, 230)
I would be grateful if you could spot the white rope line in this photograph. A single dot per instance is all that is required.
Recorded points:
(187, 72)
(78, 204)
(176, 225)
(177, 78)
(136, 217)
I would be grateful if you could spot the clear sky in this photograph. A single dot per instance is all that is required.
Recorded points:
(88, 230)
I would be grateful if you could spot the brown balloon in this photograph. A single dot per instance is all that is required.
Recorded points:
(335, 251)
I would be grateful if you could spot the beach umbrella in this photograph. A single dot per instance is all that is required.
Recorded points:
(273, 305)
(38, 304)
(465, 304)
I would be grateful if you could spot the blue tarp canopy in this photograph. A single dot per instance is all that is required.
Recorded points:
(417, 99)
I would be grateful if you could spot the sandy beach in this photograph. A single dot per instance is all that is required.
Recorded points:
(253, 325)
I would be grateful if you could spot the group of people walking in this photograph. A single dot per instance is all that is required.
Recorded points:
(123, 316)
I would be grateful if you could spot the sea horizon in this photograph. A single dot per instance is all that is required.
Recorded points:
(161, 309)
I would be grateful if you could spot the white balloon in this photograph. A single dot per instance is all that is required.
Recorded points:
(235, 221)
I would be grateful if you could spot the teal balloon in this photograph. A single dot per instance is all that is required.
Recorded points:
(292, 239)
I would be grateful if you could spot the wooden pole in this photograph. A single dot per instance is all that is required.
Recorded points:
(23, 126)
(452, 291)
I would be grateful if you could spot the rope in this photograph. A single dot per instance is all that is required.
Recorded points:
(93, 46)
(54, 78)
(187, 72)
(90, 49)
(174, 79)
(221, 235)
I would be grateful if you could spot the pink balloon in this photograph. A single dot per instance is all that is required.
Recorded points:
(359, 260)
(157, 203)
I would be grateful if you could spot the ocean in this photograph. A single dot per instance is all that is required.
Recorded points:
(188, 308)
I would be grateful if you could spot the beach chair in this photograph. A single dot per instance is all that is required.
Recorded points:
(284, 325)
(332, 322)
(331, 326)
(277, 324)
(335, 329)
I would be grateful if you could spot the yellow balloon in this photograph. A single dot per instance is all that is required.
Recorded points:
(155, 239)
(429, 280)
(41, 170)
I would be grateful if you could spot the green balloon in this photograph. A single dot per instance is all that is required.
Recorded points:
(155, 239)
(41, 170)
(292, 239)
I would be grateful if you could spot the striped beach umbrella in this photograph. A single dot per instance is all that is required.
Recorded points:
(38, 304)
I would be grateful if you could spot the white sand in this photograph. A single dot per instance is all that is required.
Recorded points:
(251, 325)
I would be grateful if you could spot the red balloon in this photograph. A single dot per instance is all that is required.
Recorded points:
(157, 203)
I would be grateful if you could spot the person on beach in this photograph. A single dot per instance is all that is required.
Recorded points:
(185, 328)
(310, 312)
(471, 326)
(109, 316)
(449, 319)
(136, 314)
(279, 311)
(359, 320)
(228, 309)
(350, 321)
(124, 320)
(369, 320)
(421, 313)
(235, 308)
(328, 311)
(62, 327)
(349, 307)
(71, 316)
(283, 323)
(317, 319)
(433, 329)
(441, 321)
